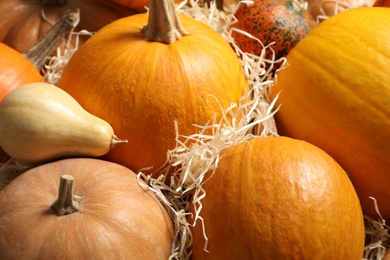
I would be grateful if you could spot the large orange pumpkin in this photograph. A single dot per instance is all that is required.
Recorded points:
(105, 214)
(22, 23)
(335, 93)
(279, 198)
(141, 87)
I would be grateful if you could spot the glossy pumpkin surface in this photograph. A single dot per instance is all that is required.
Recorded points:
(283, 22)
(118, 218)
(279, 198)
(22, 22)
(141, 88)
(335, 93)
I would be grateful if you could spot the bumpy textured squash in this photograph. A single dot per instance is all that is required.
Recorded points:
(281, 21)
(335, 93)
(141, 87)
(117, 217)
(279, 198)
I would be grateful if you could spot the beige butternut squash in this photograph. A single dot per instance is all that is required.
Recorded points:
(40, 122)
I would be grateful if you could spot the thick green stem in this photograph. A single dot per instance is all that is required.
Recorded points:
(164, 24)
(41, 50)
(67, 203)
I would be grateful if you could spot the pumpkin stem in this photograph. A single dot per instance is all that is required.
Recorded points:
(52, 38)
(67, 202)
(163, 23)
(117, 141)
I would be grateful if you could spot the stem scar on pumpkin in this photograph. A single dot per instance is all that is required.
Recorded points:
(67, 203)
(164, 26)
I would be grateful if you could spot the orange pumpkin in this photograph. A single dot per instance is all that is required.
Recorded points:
(22, 22)
(335, 94)
(105, 214)
(279, 198)
(16, 70)
(282, 22)
(141, 87)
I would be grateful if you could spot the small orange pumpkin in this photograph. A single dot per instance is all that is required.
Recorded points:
(16, 70)
(139, 83)
(279, 198)
(106, 214)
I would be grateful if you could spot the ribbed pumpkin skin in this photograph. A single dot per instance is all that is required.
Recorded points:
(142, 87)
(118, 218)
(283, 22)
(336, 95)
(279, 198)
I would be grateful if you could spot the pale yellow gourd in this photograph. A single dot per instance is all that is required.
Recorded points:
(40, 122)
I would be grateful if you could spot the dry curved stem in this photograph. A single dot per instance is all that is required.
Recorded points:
(52, 38)
(67, 203)
(163, 24)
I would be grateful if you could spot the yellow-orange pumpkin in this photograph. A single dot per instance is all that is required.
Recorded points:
(335, 93)
(279, 198)
(141, 87)
(105, 214)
